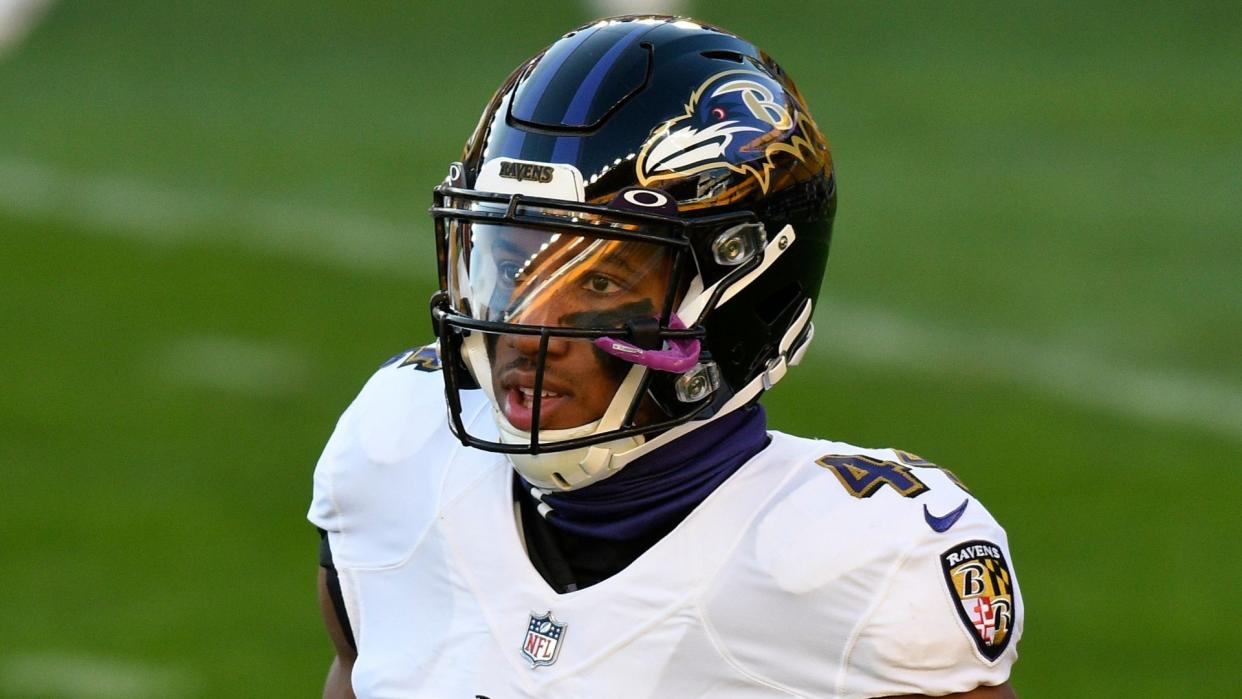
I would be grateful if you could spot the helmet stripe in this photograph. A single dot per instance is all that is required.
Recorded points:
(566, 148)
(530, 94)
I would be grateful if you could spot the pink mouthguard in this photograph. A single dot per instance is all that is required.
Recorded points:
(679, 356)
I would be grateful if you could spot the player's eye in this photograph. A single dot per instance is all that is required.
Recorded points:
(508, 271)
(602, 284)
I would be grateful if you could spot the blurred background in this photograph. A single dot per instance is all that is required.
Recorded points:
(213, 229)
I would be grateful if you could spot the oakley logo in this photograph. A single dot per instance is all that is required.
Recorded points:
(648, 198)
(525, 171)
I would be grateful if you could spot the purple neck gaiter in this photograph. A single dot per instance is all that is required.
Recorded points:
(659, 489)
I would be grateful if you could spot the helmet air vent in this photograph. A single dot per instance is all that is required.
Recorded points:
(723, 55)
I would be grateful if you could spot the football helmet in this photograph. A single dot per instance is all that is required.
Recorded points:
(630, 245)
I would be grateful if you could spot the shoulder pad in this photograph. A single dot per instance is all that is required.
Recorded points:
(383, 471)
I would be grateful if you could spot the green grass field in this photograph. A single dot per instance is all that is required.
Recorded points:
(213, 228)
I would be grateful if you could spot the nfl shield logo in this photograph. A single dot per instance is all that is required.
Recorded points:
(543, 639)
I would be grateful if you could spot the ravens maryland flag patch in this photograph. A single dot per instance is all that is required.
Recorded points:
(982, 588)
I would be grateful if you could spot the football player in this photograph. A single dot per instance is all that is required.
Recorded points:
(573, 492)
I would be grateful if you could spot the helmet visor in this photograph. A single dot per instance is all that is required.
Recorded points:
(544, 277)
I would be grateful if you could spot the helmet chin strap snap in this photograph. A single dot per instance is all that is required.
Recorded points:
(678, 357)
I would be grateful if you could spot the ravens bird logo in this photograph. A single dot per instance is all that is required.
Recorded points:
(739, 120)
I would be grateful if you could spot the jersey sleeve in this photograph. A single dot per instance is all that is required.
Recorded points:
(947, 620)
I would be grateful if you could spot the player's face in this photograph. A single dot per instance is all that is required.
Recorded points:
(563, 280)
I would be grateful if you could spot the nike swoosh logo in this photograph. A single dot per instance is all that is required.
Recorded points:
(943, 524)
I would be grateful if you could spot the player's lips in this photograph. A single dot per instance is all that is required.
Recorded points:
(518, 401)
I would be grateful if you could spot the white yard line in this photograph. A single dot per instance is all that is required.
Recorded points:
(17, 19)
(613, 8)
(1073, 375)
(88, 677)
(151, 213)
(233, 364)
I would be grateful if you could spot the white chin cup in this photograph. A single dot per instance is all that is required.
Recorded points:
(563, 470)
(560, 470)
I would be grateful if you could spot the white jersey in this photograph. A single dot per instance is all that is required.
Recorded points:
(817, 570)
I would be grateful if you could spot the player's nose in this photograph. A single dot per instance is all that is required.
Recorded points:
(528, 345)
(544, 314)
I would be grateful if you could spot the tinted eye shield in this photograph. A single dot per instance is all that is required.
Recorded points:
(556, 216)
(692, 235)
(451, 203)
